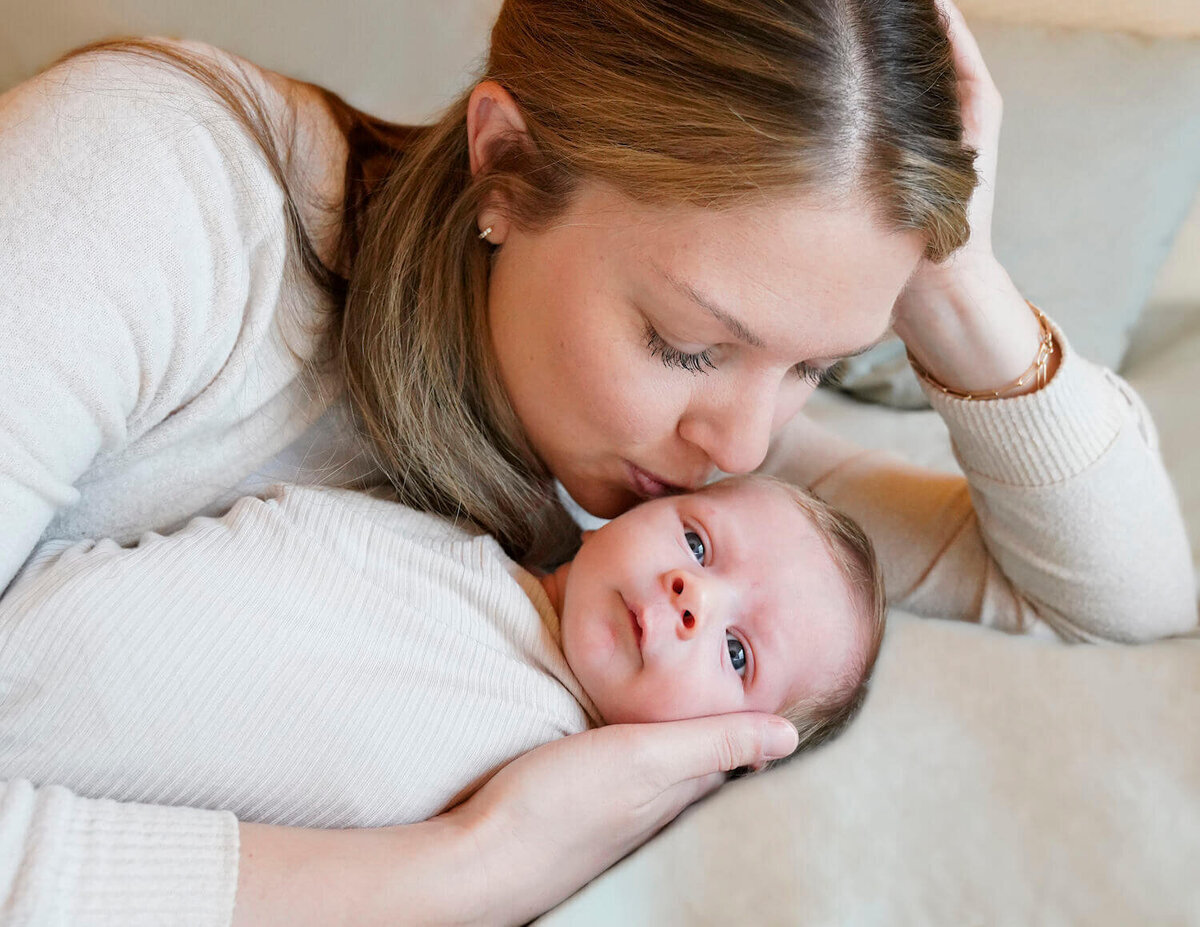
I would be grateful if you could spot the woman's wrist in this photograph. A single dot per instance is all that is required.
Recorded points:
(418, 873)
(970, 328)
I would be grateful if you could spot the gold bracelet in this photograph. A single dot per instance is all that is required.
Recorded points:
(1038, 369)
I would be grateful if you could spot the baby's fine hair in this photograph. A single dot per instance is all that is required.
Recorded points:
(818, 718)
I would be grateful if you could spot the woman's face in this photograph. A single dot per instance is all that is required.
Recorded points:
(626, 386)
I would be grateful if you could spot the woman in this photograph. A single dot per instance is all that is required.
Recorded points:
(621, 260)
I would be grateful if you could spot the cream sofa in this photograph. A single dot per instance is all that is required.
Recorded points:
(990, 780)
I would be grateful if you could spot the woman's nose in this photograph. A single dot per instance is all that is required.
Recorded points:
(736, 433)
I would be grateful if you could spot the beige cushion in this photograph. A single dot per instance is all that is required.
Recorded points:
(1158, 17)
(1163, 365)
(990, 780)
(1099, 166)
(1178, 282)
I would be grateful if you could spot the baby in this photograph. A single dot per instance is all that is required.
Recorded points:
(748, 595)
(328, 658)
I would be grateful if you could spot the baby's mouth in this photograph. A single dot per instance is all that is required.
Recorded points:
(637, 628)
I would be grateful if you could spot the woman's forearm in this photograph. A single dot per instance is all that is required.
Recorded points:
(971, 328)
(1066, 521)
(414, 874)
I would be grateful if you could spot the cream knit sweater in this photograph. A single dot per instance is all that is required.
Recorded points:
(316, 657)
(148, 295)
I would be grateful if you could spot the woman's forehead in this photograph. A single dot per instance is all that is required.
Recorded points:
(834, 272)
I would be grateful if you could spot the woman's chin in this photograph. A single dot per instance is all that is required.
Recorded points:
(602, 501)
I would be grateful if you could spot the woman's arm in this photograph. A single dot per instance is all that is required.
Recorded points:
(131, 214)
(1067, 523)
(65, 859)
(536, 832)
(293, 876)
(964, 320)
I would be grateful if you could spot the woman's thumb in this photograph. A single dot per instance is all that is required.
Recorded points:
(722, 743)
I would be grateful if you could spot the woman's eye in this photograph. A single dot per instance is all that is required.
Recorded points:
(695, 544)
(819, 378)
(673, 357)
(737, 653)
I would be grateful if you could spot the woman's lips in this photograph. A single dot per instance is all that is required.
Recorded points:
(649, 486)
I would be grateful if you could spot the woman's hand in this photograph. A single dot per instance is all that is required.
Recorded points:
(964, 319)
(558, 816)
(538, 830)
(982, 109)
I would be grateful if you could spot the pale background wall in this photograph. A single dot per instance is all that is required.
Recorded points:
(1150, 17)
(404, 58)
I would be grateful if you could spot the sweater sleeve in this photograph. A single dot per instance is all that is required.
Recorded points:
(1066, 525)
(95, 862)
(125, 253)
(124, 245)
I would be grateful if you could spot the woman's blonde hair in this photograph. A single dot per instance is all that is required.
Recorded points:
(714, 103)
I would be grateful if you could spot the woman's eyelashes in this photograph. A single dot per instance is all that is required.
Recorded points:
(818, 377)
(673, 357)
(702, 362)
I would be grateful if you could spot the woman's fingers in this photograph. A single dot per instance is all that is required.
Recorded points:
(560, 814)
(968, 59)
(679, 762)
(979, 100)
(694, 748)
(981, 110)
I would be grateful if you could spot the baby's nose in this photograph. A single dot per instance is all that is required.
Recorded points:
(689, 595)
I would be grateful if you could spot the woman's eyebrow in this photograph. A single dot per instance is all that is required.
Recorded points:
(731, 322)
(866, 347)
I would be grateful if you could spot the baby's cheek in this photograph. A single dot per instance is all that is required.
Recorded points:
(676, 699)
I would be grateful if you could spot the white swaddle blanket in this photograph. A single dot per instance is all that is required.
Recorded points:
(314, 657)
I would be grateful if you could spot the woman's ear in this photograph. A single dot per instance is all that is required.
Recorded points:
(492, 114)
(494, 120)
(587, 533)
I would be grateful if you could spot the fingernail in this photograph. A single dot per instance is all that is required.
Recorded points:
(779, 739)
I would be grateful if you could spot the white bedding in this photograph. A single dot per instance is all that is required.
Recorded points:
(991, 780)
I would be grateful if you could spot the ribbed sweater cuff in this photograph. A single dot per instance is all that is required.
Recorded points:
(129, 863)
(1041, 437)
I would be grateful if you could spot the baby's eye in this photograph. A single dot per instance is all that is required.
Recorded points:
(737, 653)
(695, 544)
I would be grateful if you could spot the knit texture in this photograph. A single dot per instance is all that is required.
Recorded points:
(141, 227)
(149, 311)
(69, 860)
(317, 657)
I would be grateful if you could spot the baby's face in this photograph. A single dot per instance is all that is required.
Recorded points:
(700, 604)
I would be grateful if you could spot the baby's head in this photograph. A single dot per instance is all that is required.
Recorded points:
(747, 595)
